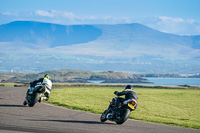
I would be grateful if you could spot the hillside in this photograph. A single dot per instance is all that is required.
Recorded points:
(73, 76)
(28, 46)
(54, 35)
(47, 34)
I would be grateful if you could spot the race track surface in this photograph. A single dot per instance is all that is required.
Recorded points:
(45, 118)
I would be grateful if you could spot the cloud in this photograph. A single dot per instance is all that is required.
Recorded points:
(166, 19)
(55, 13)
(62, 17)
(63, 14)
(44, 13)
(179, 25)
(172, 25)
(8, 13)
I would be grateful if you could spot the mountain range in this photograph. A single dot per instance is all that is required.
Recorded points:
(28, 46)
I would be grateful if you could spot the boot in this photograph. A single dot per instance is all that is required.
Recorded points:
(25, 102)
(44, 98)
(40, 99)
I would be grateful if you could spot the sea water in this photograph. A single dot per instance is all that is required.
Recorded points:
(174, 81)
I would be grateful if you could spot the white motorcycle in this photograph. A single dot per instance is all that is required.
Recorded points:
(34, 93)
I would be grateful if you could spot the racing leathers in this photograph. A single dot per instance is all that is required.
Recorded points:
(129, 95)
(39, 83)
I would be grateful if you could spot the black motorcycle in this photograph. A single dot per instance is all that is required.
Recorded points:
(121, 113)
(34, 95)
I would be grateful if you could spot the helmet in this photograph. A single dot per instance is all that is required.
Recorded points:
(47, 76)
(129, 87)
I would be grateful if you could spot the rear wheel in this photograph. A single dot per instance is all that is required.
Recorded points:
(124, 116)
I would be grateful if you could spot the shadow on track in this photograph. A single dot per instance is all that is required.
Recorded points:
(10, 105)
(76, 121)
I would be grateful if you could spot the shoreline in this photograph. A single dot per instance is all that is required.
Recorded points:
(58, 85)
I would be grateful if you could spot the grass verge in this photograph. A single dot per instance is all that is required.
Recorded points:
(177, 107)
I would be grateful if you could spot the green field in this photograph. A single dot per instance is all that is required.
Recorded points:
(177, 107)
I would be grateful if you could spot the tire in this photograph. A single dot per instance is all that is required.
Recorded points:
(33, 100)
(103, 116)
(124, 116)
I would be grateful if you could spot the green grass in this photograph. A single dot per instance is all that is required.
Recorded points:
(177, 107)
(9, 84)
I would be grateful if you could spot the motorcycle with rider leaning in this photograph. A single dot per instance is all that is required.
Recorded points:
(120, 108)
(36, 89)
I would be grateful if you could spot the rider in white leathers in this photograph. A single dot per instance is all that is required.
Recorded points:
(43, 82)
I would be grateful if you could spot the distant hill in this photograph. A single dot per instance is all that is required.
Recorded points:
(47, 34)
(73, 76)
(28, 46)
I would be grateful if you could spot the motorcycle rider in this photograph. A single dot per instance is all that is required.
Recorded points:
(43, 81)
(130, 95)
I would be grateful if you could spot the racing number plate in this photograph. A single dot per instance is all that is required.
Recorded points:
(131, 106)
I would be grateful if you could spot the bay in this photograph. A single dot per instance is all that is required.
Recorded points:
(174, 81)
(160, 81)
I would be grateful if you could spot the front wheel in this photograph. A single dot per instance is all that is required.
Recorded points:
(103, 116)
(123, 117)
(33, 99)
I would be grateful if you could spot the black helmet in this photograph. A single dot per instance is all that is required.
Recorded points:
(47, 76)
(129, 87)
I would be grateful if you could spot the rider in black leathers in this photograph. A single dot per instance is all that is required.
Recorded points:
(129, 94)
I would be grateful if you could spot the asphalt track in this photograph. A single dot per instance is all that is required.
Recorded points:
(45, 118)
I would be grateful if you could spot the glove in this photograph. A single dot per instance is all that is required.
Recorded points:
(115, 92)
(31, 84)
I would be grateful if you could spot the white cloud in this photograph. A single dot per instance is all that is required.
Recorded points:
(172, 25)
(180, 26)
(9, 13)
(63, 14)
(64, 17)
(166, 19)
(44, 13)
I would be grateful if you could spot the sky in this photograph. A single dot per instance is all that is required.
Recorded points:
(180, 17)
